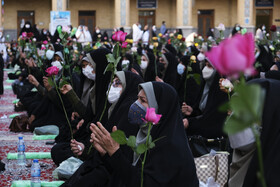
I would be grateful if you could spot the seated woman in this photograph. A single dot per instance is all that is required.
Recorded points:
(169, 163)
(122, 94)
(204, 118)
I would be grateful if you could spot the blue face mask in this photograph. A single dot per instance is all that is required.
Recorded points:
(180, 69)
(136, 113)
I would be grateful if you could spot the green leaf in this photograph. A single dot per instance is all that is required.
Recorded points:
(62, 83)
(224, 107)
(119, 137)
(76, 69)
(66, 66)
(197, 78)
(141, 148)
(152, 145)
(234, 125)
(110, 58)
(117, 61)
(61, 36)
(50, 80)
(189, 69)
(110, 67)
(66, 50)
(131, 142)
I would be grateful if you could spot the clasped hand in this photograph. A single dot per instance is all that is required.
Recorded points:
(102, 140)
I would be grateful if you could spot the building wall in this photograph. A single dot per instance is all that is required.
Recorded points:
(104, 11)
(166, 11)
(41, 8)
(221, 9)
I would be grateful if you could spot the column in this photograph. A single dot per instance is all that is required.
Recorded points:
(59, 5)
(245, 14)
(122, 14)
(184, 16)
(1, 21)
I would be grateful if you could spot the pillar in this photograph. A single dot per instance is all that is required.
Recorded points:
(245, 14)
(122, 14)
(184, 16)
(59, 5)
(1, 21)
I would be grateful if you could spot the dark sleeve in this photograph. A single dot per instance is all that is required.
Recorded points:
(78, 106)
(41, 89)
(52, 95)
(130, 175)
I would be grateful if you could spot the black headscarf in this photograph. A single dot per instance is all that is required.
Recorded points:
(265, 59)
(150, 74)
(55, 35)
(169, 48)
(170, 74)
(270, 138)
(129, 95)
(101, 82)
(192, 88)
(27, 30)
(170, 162)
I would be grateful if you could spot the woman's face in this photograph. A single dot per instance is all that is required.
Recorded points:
(143, 99)
(57, 58)
(143, 58)
(117, 83)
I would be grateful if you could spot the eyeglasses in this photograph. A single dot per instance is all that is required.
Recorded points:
(116, 83)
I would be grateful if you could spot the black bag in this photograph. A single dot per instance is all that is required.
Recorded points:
(201, 146)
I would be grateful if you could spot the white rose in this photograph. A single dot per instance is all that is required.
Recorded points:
(227, 84)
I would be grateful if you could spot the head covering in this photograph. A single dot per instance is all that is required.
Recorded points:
(59, 53)
(170, 48)
(265, 59)
(169, 74)
(170, 161)
(192, 87)
(98, 94)
(149, 74)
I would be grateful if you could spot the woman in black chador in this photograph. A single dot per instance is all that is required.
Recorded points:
(92, 172)
(170, 162)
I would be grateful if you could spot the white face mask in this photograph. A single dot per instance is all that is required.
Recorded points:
(87, 71)
(57, 64)
(200, 57)
(144, 64)
(207, 72)
(27, 26)
(49, 54)
(180, 69)
(97, 31)
(114, 94)
(263, 28)
(125, 64)
(45, 32)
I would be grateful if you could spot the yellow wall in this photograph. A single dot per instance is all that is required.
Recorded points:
(104, 11)
(166, 11)
(221, 11)
(40, 7)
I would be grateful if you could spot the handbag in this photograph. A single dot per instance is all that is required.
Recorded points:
(201, 146)
(20, 124)
(67, 168)
(215, 166)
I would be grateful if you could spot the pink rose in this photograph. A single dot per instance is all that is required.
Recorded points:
(119, 36)
(52, 71)
(122, 37)
(45, 42)
(43, 47)
(24, 35)
(124, 45)
(151, 116)
(234, 55)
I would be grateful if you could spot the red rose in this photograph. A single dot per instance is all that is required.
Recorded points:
(273, 28)
(30, 34)
(52, 71)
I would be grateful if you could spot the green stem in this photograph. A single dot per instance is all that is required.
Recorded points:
(145, 155)
(65, 113)
(106, 100)
(155, 54)
(260, 173)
